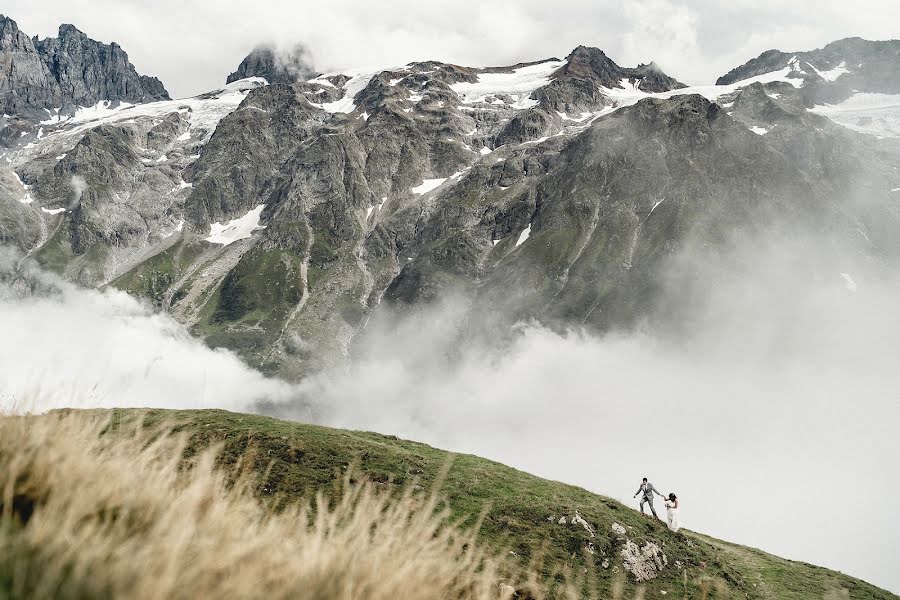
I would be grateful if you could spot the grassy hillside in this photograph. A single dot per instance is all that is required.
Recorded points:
(557, 529)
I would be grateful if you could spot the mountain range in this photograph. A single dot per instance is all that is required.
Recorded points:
(284, 214)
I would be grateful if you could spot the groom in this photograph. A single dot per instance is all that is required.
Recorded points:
(647, 490)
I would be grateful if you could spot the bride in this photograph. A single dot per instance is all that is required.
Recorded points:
(672, 512)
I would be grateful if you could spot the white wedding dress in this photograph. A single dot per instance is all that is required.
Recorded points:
(672, 516)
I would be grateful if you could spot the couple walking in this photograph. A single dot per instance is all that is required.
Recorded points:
(646, 492)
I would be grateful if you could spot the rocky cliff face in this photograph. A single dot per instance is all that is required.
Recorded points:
(285, 221)
(62, 73)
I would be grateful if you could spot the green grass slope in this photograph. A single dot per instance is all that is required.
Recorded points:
(525, 517)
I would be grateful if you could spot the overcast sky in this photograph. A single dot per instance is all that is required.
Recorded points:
(192, 45)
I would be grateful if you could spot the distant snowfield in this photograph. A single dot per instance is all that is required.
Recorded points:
(236, 229)
(518, 85)
(202, 112)
(875, 114)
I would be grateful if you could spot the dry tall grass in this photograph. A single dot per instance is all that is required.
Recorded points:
(119, 515)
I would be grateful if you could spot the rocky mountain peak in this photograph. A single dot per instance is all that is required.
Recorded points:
(7, 23)
(592, 63)
(10, 35)
(61, 73)
(69, 30)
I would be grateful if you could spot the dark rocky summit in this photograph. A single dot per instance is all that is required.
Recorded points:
(65, 72)
(593, 64)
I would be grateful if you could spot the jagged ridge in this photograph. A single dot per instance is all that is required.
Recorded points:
(65, 72)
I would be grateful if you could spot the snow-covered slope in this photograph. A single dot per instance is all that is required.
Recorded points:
(514, 88)
(203, 113)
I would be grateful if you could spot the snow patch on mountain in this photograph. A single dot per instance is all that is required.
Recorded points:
(579, 119)
(780, 75)
(523, 237)
(831, 74)
(518, 85)
(428, 185)
(358, 81)
(102, 109)
(26, 198)
(236, 229)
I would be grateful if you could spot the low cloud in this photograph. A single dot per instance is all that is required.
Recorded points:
(297, 60)
(79, 187)
(64, 346)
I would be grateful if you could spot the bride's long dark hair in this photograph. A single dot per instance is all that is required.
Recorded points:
(672, 497)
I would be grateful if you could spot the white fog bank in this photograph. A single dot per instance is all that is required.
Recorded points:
(71, 347)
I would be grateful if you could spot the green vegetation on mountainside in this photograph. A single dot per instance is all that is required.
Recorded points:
(153, 277)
